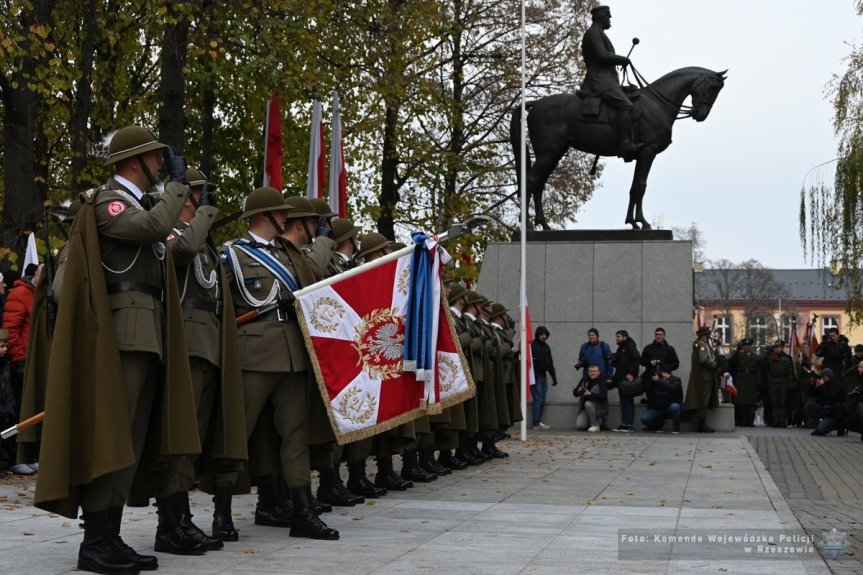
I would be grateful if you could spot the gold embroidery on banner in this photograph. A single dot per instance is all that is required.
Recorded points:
(355, 408)
(326, 315)
(379, 342)
(448, 370)
(404, 278)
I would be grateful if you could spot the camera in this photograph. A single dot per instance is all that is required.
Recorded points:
(581, 364)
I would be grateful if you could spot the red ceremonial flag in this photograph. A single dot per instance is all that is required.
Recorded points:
(338, 181)
(699, 317)
(528, 330)
(317, 161)
(273, 144)
(728, 385)
(355, 333)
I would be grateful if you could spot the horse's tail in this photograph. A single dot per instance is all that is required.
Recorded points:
(515, 141)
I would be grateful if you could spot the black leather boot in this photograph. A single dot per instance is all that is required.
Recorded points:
(144, 562)
(98, 551)
(703, 427)
(358, 482)
(430, 464)
(489, 448)
(387, 478)
(209, 543)
(223, 523)
(334, 492)
(305, 522)
(270, 511)
(411, 469)
(171, 535)
(448, 460)
(626, 147)
(285, 495)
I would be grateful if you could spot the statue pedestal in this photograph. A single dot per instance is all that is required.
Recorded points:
(608, 279)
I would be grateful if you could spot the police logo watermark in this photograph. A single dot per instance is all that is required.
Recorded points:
(719, 544)
(833, 543)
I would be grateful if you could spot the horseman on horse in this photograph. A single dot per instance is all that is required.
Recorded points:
(601, 78)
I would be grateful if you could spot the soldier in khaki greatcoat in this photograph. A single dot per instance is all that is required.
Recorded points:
(211, 338)
(263, 268)
(486, 408)
(119, 285)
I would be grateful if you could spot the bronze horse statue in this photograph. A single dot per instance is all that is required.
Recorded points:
(556, 123)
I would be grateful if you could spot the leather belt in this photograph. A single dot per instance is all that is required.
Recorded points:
(210, 306)
(142, 287)
(274, 315)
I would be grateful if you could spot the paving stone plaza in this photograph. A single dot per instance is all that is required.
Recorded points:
(561, 503)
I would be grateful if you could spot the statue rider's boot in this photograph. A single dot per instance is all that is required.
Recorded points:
(626, 148)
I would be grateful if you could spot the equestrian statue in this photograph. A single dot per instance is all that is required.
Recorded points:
(607, 119)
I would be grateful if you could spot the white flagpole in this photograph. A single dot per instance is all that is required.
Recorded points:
(523, 276)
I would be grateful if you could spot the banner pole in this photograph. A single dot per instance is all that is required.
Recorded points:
(523, 241)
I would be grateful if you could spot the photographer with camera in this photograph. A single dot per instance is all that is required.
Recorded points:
(592, 395)
(664, 401)
(827, 409)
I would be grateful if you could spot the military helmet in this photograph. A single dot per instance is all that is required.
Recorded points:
(497, 309)
(703, 330)
(471, 298)
(4, 335)
(398, 246)
(343, 230)
(265, 199)
(197, 178)
(322, 208)
(131, 141)
(455, 292)
(371, 243)
(300, 207)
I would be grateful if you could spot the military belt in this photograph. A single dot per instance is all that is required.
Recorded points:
(142, 287)
(274, 315)
(210, 306)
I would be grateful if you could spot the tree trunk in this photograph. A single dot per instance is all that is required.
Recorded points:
(172, 92)
(23, 200)
(82, 105)
(389, 175)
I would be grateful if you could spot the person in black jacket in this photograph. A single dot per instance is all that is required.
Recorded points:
(835, 353)
(626, 364)
(543, 364)
(658, 356)
(827, 407)
(592, 397)
(664, 401)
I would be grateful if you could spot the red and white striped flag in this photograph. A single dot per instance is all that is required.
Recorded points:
(699, 317)
(338, 174)
(317, 161)
(355, 333)
(531, 376)
(273, 144)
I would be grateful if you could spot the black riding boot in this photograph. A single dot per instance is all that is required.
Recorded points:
(98, 552)
(387, 478)
(430, 464)
(626, 148)
(223, 523)
(209, 543)
(270, 511)
(305, 522)
(358, 482)
(144, 562)
(448, 460)
(334, 492)
(171, 533)
(411, 469)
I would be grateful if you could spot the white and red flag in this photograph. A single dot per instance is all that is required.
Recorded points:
(355, 328)
(317, 161)
(338, 182)
(531, 376)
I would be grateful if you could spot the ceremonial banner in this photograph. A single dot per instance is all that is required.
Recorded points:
(355, 331)
(338, 176)
(315, 177)
(273, 144)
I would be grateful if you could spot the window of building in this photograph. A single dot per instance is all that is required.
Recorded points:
(829, 322)
(723, 328)
(758, 330)
(787, 324)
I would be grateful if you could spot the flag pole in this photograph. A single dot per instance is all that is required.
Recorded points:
(523, 242)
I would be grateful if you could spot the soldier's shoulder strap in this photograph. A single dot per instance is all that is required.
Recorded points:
(89, 196)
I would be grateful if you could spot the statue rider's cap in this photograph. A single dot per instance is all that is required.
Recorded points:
(601, 9)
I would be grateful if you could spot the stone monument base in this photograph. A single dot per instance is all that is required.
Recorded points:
(635, 280)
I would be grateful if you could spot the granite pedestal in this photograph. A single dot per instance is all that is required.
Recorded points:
(610, 280)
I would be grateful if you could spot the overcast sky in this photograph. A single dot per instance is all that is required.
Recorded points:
(738, 174)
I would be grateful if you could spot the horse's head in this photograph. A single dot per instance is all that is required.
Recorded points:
(704, 92)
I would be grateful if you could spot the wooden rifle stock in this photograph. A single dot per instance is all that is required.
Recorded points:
(251, 315)
(27, 423)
